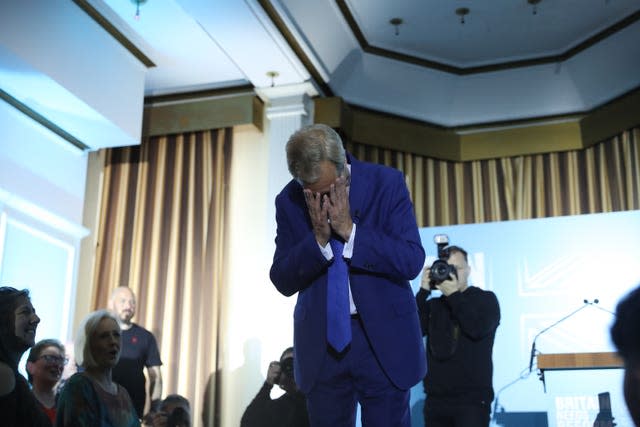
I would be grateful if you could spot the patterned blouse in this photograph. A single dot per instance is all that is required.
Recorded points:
(83, 403)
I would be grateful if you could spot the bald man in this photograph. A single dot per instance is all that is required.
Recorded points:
(139, 350)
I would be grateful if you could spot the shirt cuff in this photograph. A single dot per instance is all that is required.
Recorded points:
(326, 250)
(347, 251)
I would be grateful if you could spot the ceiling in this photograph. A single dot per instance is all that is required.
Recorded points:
(510, 60)
(496, 32)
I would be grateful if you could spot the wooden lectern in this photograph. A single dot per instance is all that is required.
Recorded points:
(569, 361)
(564, 361)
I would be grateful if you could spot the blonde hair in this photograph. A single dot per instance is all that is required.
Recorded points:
(82, 345)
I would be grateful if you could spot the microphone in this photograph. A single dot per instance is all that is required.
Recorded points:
(533, 353)
(587, 303)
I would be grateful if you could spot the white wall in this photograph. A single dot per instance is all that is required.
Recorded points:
(61, 63)
(258, 320)
(41, 201)
(542, 272)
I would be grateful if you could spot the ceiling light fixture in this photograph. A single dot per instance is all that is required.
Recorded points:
(138, 3)
(396, 22)
(534, 3)
(272, 75)
(462, 12)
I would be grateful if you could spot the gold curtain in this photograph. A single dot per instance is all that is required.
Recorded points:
(161, 233)
(601, 178)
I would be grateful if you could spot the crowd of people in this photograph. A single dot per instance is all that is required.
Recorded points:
(347, 244)
(91, 397)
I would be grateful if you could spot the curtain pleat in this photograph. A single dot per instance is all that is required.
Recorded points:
(601, 178)
(161, 233)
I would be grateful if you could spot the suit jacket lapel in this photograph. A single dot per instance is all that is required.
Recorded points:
(357, 189)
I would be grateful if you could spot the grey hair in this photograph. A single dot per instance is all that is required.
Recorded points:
(82, 344)
(310, 146)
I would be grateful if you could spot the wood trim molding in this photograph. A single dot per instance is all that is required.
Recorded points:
(382, 130)
(486, 141)
(611, 118)
(165, 116)
(114, 32)
(42, 120)
(297, 48)
(461, 71)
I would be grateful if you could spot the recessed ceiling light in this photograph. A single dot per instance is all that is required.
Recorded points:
(462, 12)
(396, 22)
(534, 3)
(272, 75)
(138, 3)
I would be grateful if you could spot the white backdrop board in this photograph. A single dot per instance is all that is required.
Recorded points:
(541, 271)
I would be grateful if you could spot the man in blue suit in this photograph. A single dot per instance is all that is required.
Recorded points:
(347, 242)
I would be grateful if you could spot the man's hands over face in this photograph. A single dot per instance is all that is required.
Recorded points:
(330, 212)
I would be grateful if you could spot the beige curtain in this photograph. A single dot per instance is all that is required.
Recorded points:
(161, 232)
(602, 178)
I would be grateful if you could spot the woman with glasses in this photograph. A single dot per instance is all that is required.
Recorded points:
(45, 364)
(91, 398)
(18, 324)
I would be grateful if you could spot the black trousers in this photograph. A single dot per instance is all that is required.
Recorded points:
(445, 413)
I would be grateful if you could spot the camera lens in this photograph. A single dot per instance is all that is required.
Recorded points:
(440, 271)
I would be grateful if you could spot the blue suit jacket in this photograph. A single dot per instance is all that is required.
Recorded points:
(387, 254)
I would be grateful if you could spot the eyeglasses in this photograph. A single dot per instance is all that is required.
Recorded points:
(50, 358)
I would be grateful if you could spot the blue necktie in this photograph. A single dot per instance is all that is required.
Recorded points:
(338, 312)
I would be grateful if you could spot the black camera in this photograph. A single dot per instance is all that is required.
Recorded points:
(286, 368)
(441, 270)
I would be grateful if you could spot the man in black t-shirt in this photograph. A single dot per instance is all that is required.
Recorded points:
(139, 350)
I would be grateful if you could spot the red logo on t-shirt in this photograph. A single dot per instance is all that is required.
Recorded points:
(134, 339)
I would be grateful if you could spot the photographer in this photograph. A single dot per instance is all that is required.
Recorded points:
(460, 327)
(174, 411)
(289, 410)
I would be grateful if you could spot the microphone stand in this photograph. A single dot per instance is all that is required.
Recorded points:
(496, 405)
(587, 303)
(544, 383)
(494, 413)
